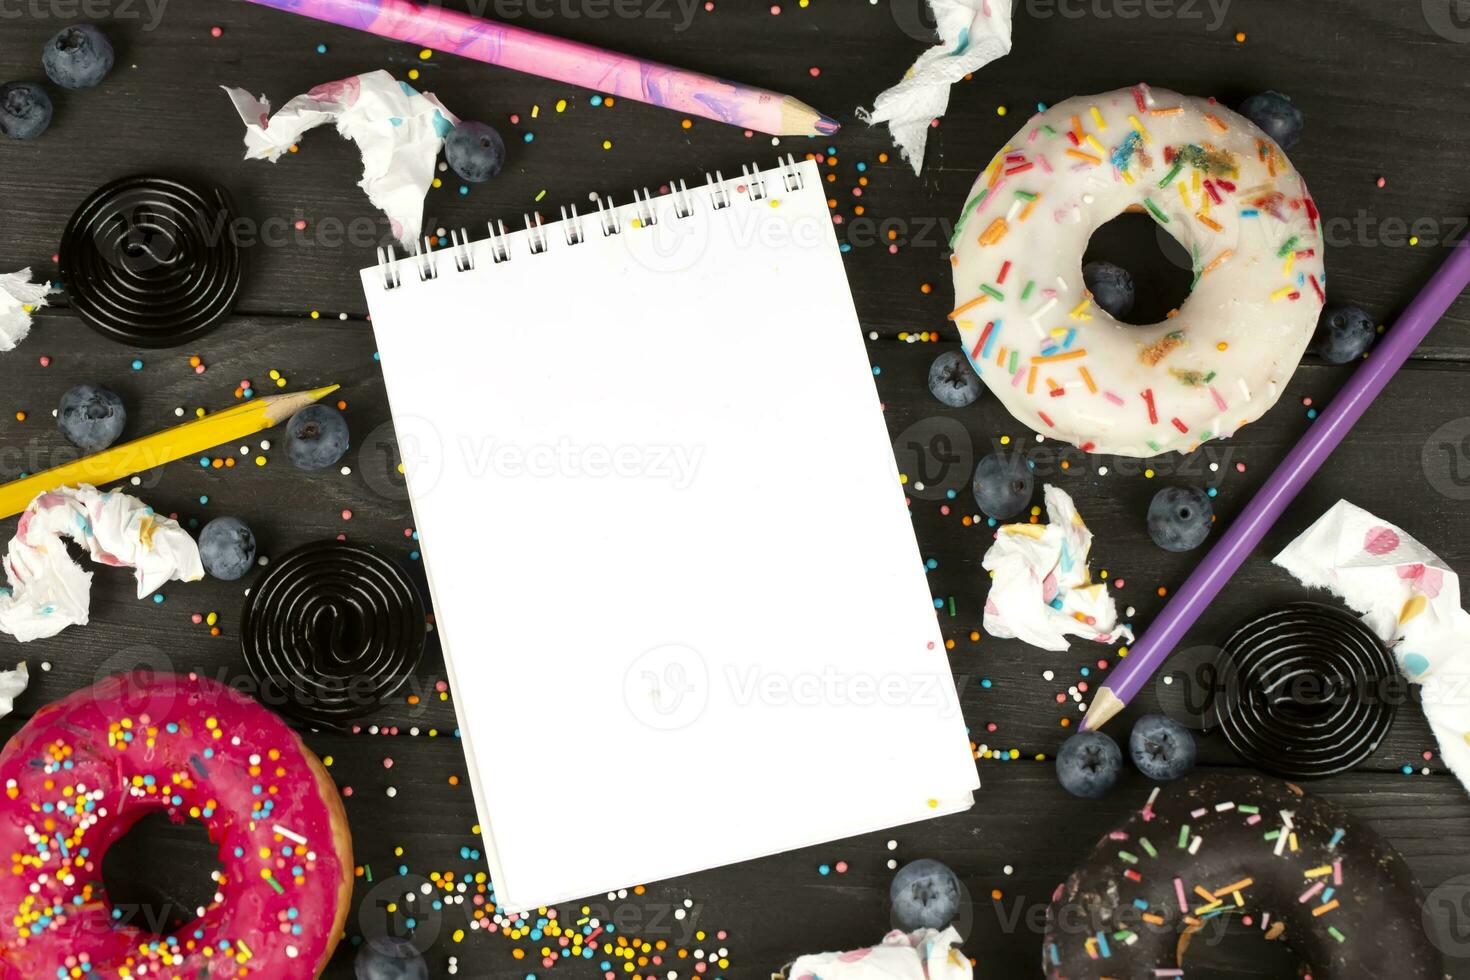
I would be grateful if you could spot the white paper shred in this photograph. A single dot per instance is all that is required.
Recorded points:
(398, 129)
(13, 684)
(18, 298)
(972, 34)
(1410, 598)
(922, 955)
(1041, 588)
(49, 591)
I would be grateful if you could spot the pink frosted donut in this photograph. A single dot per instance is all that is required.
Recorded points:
(87, 768)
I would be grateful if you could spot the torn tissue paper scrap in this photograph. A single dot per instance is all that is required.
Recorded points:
(922, 955)
(1041, 588)
(972, 34)
(19, 298)
(1410, 598)
(13, 684)
(49, 591)
(398, 130)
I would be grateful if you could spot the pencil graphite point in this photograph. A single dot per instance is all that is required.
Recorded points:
(1105, 705)
(800, 119)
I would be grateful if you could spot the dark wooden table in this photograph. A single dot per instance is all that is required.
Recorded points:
(1384, 87)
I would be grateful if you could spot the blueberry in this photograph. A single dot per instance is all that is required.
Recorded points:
(78, 57)
(1003, 485)
(25, 110)
(1179, 518)
(386, 958)
(91, 417)
(227, 548)
(475, 151)
(1344, 334)
(952, 379)
(1277, 116)
(1111, 288)
(1089, 764)
(925, 894)
(316, 437)
(1161, 748)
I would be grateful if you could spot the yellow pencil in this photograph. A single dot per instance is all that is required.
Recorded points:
(122, 461)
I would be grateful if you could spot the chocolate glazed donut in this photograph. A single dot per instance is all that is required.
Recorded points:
(1293, 866)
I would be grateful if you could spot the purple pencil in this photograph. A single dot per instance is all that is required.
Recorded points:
(1191, 599)
(431, 26)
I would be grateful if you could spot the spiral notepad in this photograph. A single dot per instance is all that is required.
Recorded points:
(685, 618)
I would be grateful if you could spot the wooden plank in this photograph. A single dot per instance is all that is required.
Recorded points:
(194, 132)
(1363, 86)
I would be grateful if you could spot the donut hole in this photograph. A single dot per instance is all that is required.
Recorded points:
(159, 874)
(1159, 265)
(1228, 949)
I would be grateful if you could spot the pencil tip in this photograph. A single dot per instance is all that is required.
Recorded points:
(826, 125)
(1105, 704)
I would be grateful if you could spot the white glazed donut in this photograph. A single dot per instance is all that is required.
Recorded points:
(1217, 184)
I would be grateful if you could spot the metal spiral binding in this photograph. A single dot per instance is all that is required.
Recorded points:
(388, 267)
(424, 261)
(535, 234)
(790, 176)
(426, 264)
(644, 206)
(683, 205)
(499, 243)
(464, 257)
(755, 184)
(719, 194)
(571, 226)
(607, 213)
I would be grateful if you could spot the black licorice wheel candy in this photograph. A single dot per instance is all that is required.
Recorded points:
(332, 631)
(1306, 691)
(152, 262)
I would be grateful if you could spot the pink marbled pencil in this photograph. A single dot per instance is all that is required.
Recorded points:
(529, 51)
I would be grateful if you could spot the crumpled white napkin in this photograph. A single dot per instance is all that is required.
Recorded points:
(922, 955)
(398, 129)
(1410, 598)
(13, 684)
(1041, 589)
(17, 292)
(49, 591)
(972, 34)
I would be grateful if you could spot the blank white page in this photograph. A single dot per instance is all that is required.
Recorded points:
(682, 606)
